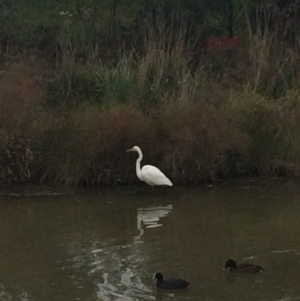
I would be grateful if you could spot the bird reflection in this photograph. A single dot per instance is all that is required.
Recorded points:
(149, 218)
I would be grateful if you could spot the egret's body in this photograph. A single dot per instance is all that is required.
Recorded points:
(148, 173)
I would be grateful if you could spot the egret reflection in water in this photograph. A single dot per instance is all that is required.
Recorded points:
(149, 217)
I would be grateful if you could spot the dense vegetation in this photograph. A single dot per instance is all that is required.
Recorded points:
(82, 81)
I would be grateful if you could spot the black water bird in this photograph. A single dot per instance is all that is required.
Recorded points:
(170, 283)
(242, 268)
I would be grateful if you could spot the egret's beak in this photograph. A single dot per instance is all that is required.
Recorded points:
(130, 150)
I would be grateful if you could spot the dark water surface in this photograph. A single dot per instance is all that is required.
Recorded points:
(107, 245)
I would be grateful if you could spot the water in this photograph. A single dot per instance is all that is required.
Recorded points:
(107, 245)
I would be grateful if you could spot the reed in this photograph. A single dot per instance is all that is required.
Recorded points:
(69, 118)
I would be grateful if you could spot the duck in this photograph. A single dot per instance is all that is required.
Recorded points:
(242, 268)
(170, 283)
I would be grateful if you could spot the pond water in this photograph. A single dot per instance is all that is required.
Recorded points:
(107, 245)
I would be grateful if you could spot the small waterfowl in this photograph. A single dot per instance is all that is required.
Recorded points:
(170, 283)
(242, 268)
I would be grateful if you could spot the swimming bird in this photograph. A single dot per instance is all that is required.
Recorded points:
(149, 174)
(170, 283)
(242, 268)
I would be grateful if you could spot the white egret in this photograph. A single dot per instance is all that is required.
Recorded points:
(149, 174)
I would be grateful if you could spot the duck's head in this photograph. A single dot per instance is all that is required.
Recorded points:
(158, 276)
(230, 263)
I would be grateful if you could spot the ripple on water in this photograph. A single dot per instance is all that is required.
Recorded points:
(130, 288)
(114, 269)
(284, 251)
(149, 217)
(15, 294)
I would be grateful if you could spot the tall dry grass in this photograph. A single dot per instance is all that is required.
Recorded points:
(21, 117)
(234, 114)
(273, 58)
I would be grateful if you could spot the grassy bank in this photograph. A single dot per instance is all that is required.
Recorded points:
(69, 115)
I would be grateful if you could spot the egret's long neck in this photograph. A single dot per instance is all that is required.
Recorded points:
(138, 164)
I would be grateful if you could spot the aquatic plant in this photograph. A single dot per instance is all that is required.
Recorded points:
(200, 113)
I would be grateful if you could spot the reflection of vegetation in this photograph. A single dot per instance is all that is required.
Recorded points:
(116, 73)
